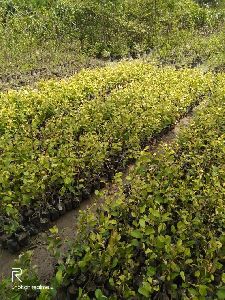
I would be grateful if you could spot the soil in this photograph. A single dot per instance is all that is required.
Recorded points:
(67, 231)
(30, 78)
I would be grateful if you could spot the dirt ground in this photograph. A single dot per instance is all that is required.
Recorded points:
(29, 78)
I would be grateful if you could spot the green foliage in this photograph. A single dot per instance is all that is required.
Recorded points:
(164, 236)
(162, 232)
(108, 29)
(63, 138)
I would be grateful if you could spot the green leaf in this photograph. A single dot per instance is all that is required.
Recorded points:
(221, 293)
(80, 291)
(142, 223)
(149, 231)
(136, 234)
(111, 281)
(175, 267)
(182, 275)
(197, 273)
(135, 242)
(202, 290)
(54, 230)
(17, 297)
(188, 261)
(151, 271)
(59, 276)
(68, 180)
(115, 262)
(142, 209)
(145, 289)
(99, 295)
(223, 277)
(193, 292)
